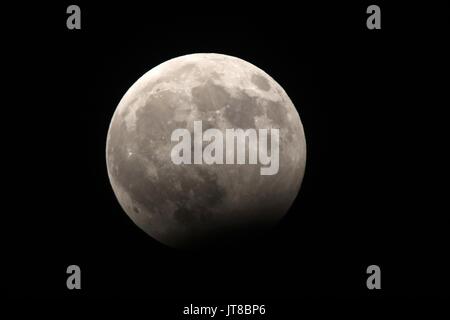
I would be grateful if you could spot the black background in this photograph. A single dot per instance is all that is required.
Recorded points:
(370, 103)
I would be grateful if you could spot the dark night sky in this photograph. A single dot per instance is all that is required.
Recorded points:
(369, 103)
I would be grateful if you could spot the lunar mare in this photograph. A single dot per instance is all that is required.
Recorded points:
(183, 205)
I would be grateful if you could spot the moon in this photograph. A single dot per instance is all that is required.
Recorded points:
(185, 206)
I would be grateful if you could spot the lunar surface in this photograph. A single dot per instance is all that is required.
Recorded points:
(185, 205)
